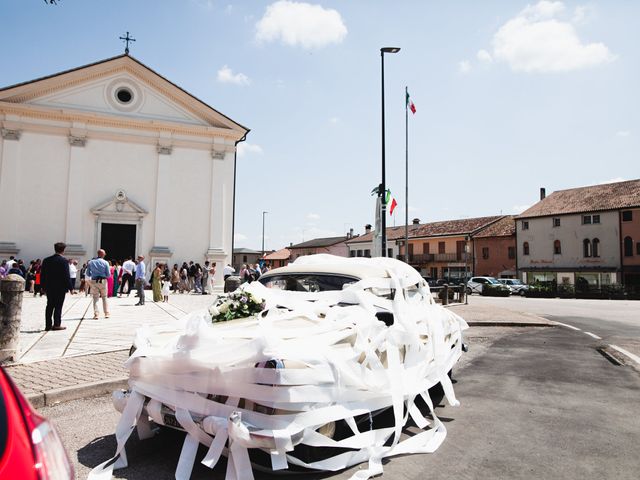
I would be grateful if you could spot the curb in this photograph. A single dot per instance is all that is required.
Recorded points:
(75, 392)
(510, 324)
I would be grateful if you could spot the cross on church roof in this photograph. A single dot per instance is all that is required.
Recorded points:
(127, 39)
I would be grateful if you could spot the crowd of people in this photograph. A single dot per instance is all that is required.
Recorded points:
(101, 278)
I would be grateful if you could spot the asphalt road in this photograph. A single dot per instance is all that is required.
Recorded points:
(615, 322)
(536, 403)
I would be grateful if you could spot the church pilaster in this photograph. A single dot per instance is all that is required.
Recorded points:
(10, 148)
(162, 222)
(221, 203)
(75, 188)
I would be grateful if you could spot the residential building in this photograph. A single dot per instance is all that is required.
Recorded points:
(446, 249)
(332, 245)
(362, 245)
(630, 245)
(245, 256)
(575, 236)
(494, 249)
(279, 258)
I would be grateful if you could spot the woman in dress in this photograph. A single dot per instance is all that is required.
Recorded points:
(110, 281)
(116, 279)
(156, 283)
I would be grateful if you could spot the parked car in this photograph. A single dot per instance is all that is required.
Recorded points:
(516, 285)
(334, 346)
(30, 448)
(475, 284)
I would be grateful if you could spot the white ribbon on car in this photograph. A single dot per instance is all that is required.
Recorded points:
(339, 362)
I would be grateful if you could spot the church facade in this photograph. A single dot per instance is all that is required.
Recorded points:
(112, 155)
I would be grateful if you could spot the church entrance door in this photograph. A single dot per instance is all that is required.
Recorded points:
(118, 240)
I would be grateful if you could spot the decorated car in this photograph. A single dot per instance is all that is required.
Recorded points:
(319, 365)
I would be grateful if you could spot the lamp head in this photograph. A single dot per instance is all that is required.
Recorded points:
(389, 49)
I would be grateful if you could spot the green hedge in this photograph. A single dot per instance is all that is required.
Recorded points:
(540, 291)
(494, 291)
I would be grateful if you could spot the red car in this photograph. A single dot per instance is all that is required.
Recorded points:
(30, 448)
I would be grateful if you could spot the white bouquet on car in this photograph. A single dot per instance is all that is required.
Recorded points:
(238, 304)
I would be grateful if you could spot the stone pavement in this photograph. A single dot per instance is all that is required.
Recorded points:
(88, 357)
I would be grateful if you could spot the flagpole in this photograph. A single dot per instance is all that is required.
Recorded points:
(406, 176)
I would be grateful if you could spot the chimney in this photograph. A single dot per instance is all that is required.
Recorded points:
(291, 244)
(543, 193)
(367, 228)
(350, 235)
(416, 221)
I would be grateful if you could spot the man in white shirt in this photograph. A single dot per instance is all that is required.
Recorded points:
(128, 268)
(73, 274)
(227, 271)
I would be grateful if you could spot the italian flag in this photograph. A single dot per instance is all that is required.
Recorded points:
(394, 204)
(410, 105)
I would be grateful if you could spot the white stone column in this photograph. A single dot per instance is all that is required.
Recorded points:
(9, 195)
(221, 211)
(75, 199)
(162, 223)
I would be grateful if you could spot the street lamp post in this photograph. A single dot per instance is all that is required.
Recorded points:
(263, 214)
(383, 185)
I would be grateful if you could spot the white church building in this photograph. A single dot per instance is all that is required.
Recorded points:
(113, 155)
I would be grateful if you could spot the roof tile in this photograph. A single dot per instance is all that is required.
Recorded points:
(608, 196)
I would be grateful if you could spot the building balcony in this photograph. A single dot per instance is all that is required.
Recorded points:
(422, 258)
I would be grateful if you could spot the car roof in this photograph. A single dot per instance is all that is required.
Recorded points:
(352, 270)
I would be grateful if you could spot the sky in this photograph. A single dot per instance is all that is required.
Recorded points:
(510, 95)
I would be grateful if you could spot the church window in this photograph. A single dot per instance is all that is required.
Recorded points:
(124, 95)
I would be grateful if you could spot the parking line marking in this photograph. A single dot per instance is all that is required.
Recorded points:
(633, 357)
(593, 335)
(569, 326)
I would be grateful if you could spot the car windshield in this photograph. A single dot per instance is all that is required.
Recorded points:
(307, 282)
(515, 282)
(493, 281)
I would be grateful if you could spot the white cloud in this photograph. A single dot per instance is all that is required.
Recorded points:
(539, 40)
(245, 148)
(226, 75)
(484, 56)
(313, 216)
(583, 14)
(623, 133)
(334, 120)
(300, 24)
(464, 67)
(309, 233)
(239, 237)
(543, 9)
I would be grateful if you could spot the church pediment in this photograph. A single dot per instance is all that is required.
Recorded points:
(123, 87)
(119, 207)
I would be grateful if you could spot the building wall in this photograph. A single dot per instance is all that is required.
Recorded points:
(631, 229)
(571, 233)
(362, 246)
(49, 187)
(498, 261)
(340, 249)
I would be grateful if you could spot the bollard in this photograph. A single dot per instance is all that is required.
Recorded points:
(11, 290)
(462, 294)
(445, 298)
(231, 283)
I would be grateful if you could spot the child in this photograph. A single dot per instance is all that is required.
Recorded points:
(166, 285)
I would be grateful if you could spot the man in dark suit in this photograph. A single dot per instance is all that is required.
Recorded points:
(55, 279)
